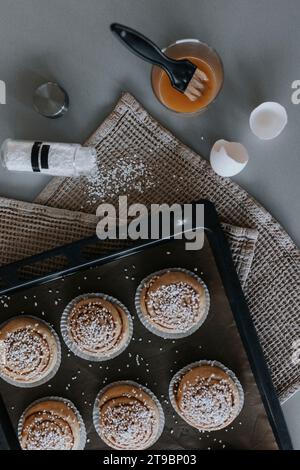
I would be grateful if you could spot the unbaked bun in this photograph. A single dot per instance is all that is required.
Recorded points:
(29, 351)
(96, 327)
(51, 424)
(207, 396)
(128, 417)
(172, 303)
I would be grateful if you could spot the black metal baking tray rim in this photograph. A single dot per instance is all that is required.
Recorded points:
(242, 316)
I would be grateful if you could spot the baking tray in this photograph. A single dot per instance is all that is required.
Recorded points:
(228, 335)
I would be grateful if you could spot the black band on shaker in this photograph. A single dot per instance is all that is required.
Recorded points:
(35, 156)
(44, 157)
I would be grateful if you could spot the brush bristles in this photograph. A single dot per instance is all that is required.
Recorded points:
(196, 86)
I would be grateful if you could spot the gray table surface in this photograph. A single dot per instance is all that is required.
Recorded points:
(69, 41)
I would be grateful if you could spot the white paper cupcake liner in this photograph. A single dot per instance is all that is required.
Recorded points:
(82, 432)
(165, 334)
(96, 410)
(51, 373)
(177, 377)
(73, 346)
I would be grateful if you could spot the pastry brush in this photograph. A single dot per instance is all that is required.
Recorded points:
(184, 75)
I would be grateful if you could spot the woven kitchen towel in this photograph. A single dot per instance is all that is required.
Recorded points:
(242, 243)
(141, 159)
(27, 229)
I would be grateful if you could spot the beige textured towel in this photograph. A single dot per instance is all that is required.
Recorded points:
(141, 159)
(27, 229)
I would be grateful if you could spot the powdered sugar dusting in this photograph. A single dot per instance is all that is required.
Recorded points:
(93, 327)
(208, 402)
(24, 353)
(174, 306)
(129, 425)
(48, 431)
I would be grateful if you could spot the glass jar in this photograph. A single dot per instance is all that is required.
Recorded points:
(205, 58)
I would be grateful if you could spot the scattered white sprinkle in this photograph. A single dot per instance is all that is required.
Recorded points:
(128, 173)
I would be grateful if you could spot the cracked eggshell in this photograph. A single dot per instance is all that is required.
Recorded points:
(228, 158)
(268, 120)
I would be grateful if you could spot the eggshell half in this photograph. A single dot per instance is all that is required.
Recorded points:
(268, 120)
(228, 158)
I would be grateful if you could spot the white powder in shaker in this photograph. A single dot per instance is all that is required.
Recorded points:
(57, 159)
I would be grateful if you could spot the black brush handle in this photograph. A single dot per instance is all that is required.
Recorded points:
(147, 50)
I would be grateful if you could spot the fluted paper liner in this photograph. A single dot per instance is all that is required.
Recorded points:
(150, 326)
(51, 373)
(73, 346)
(82, 436)
(96, 413)
(177, 377)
